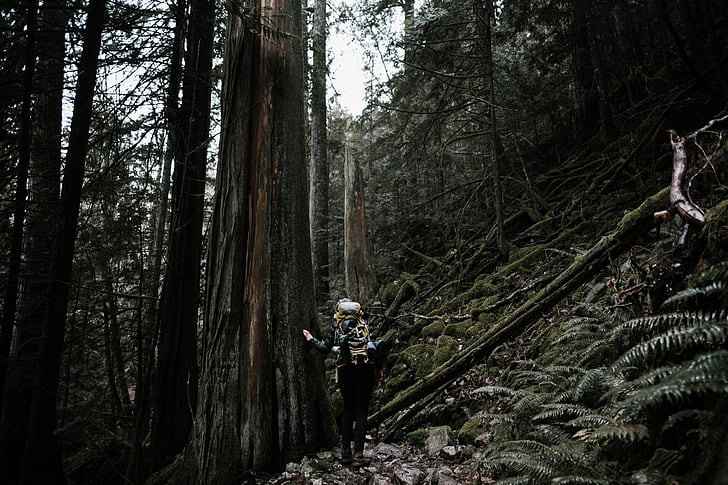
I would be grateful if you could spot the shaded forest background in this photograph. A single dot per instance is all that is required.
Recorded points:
(508, 143)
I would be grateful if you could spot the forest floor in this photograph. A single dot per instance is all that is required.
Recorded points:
(389, 464)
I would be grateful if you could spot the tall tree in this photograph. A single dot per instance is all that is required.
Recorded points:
(21, 192)
(41, 458)
(262, 396)
(484, 15)
(177, 369)
(319, 196)
(43, 193)
(356, 252)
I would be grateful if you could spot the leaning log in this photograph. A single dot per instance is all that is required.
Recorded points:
(581, 270)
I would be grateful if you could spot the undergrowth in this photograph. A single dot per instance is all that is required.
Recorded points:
(642, 401)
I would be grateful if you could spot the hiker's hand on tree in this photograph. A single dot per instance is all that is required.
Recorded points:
(307, 334)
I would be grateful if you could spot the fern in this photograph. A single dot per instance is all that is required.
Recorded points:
(561, 412)
(577, 480)
(621, 433)
(650, 325)
(590, 421)
(675, 342)
(548, 435)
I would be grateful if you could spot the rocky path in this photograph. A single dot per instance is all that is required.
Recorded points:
(389, 465)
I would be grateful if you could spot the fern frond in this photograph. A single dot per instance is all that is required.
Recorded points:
(560, 412)
(675, 342)
(591, 385)
(494, 418)
(676, 392)
(500, 391)
(650, 325)
(578, 480)
(599, 352)
(626, 387)
(518, 463)
(714, 289)
(590, 421)
(529, 404)
(548, 435)
(622, 433)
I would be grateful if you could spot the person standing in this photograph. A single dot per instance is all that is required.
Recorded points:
(357, 367)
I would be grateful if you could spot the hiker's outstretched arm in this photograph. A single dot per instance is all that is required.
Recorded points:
(322, 346)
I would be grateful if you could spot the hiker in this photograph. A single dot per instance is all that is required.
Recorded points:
(357, 368)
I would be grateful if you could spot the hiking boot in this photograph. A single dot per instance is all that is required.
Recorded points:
(346, 457)
(360, 460)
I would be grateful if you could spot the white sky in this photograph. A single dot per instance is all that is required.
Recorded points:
(348, 58)
(346, 75)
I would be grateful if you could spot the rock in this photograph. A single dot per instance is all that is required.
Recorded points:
(437, 439)
(448, 452)
(379, 480)
(409, 475)
(385, 451)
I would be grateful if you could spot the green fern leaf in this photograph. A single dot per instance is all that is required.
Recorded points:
(561, 412)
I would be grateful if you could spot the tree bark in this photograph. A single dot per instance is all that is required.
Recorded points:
(262, 396)
(177, 370)
(583, 268)
(356, 253)
(41, 458)
(21, 329)
(319, 196)
(21, 194)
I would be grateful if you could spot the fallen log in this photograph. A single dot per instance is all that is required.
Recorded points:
(581, 270)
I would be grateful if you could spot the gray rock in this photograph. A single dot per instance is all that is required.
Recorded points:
(437, 439)
(409, 475)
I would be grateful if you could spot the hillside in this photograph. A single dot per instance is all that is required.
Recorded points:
(596, 353)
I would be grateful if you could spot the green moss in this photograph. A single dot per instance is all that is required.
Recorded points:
(446, 348)
(435, 329)
(418, 438)
(458, 329)
(716, 232)
(418, 359)
(470, 431)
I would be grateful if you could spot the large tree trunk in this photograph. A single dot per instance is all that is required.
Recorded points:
(177, 371)
(584, 267)
(356, 253)
(262, 397)
(43, 196)
(319, 196)
(41, 458)
(14, 409)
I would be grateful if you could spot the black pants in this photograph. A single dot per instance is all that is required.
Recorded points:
(356, 382)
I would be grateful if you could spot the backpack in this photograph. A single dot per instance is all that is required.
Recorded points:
(354, 333)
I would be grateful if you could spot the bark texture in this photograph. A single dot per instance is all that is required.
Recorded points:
(262, 399)
(356, 253)
(177, 373)
(319, 196)
(41, 458)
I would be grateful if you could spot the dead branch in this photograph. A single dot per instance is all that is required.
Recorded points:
(690, 212)
(679, 200)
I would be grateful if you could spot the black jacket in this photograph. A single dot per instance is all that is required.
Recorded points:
(338, 344)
